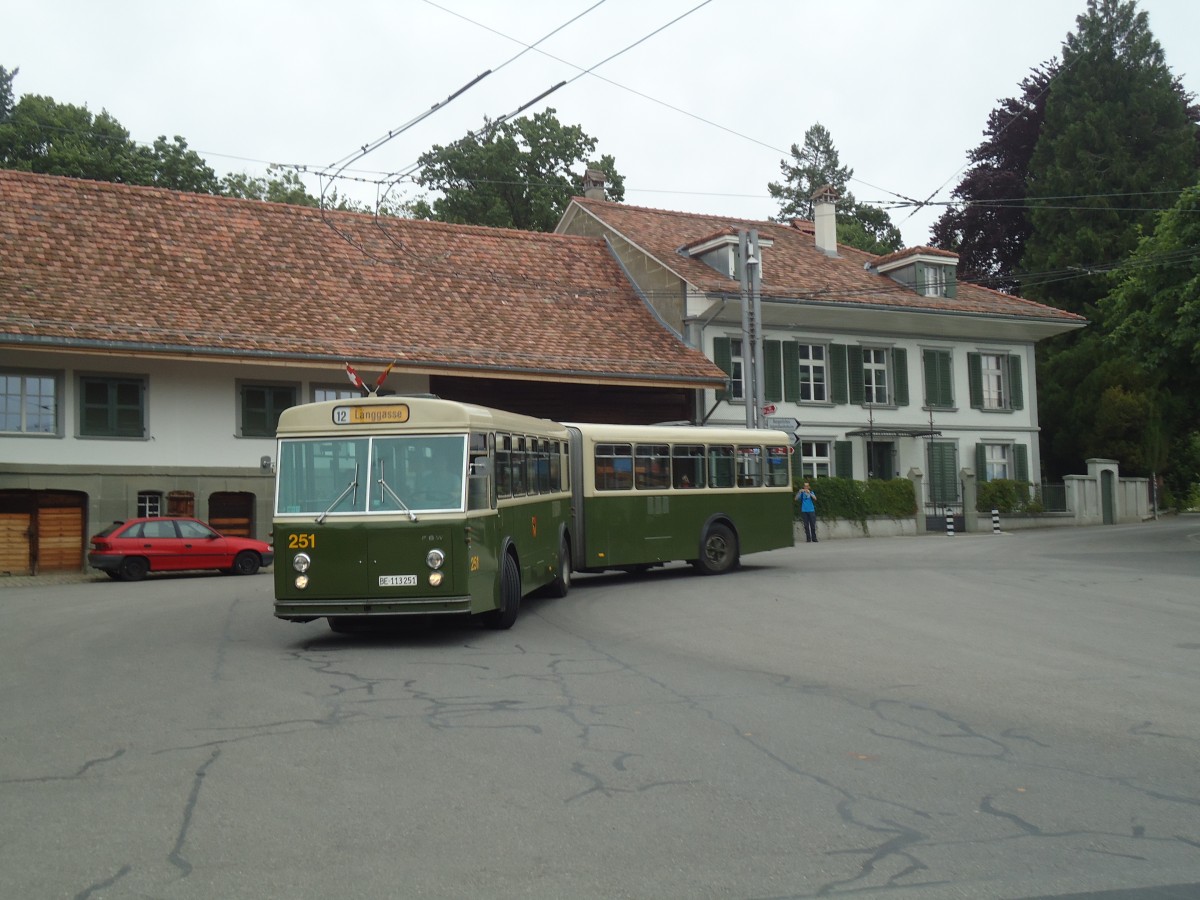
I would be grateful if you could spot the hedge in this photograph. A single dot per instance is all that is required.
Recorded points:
(856, 501)
(1007, 496)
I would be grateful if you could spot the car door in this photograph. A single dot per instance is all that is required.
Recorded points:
(159, 542)
(203, 547)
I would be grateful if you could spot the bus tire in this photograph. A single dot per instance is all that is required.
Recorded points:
(561, 585)
(510, 596)
(718, 550)
(344, 624)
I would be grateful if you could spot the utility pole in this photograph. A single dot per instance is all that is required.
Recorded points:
(753, 367)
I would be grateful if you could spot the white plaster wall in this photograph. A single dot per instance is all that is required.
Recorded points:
(192, 412)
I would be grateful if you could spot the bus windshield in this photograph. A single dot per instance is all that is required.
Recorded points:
(384, 474)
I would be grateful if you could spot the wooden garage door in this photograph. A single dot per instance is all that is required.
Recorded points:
(60, 538)
(14, 543)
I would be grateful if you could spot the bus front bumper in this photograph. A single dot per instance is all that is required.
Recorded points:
(306, 611)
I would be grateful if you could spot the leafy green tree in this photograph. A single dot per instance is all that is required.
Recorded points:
(170, 164)
(1117, 141)
(40, 135)
(519, 173)
(987, 227)
(6, 93)
(815, 165)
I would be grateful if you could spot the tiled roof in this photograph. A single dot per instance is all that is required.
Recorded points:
(89, 264)
(794, 268)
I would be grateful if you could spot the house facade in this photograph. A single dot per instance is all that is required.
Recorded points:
(149, 340)
(884, 365)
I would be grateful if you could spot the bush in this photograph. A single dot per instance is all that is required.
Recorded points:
(854, 501)
(1007, 496)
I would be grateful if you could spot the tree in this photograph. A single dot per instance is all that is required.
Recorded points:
(170, 164)
(1117, 140)
(513, 174)
(6, 93)
(815, 165)
(1155, 313)
(40, 135)
(988, 227)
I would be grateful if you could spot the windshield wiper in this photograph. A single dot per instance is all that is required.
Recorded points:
(351, 486)
(387, 487)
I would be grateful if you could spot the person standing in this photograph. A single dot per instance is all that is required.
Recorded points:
(808, 512)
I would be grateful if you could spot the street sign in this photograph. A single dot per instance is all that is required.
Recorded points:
(769, 409)
(782, 424)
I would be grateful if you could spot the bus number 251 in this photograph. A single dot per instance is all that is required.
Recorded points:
(301, 541)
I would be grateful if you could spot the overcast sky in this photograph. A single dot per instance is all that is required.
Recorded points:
(698, 116)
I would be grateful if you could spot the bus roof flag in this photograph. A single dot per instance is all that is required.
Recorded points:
(353, 376)
(379, 381)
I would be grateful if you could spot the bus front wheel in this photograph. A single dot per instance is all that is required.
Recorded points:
(510, 596)
(718, 550)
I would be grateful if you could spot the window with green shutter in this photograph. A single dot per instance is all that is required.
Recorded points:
(900, 375)
(854, 367)
(939, 388)
(112, 407)
(838, 368)
(791, 372)
(843, 459)
(943, 472)
(262, 404)
(772, 371)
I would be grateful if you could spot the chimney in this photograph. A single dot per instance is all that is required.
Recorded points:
(825, 219)
(593, 184)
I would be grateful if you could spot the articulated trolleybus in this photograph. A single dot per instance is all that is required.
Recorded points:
(412, 505)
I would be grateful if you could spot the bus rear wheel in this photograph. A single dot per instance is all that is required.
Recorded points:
(510, 596)
(561, 584)
(718, 550)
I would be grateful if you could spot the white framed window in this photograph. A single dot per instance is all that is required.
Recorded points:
(149, 503)
(993, 367)
(935, 281)
(815, 458)
(875, 375)
(736, 369)
(814, 373)
(997, 461)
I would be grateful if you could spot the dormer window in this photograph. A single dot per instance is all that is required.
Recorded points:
(720, 252)
(927, 271)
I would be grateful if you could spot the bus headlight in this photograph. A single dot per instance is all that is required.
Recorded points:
(301, 582)
(434, 559)
(301, 562)
(435, 578)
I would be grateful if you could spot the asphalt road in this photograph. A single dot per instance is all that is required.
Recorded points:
(974, 716)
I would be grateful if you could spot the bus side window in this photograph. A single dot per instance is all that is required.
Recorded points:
(750, 463)
(504, 465)
(778, 468)
(720, 467)
(651, 466)
(614, 467)
(687, 466)
(479, 473)
(520, 466)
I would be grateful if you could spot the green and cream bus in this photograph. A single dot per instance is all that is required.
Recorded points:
(394, 506)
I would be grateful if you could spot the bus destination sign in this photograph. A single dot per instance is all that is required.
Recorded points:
(391, 414)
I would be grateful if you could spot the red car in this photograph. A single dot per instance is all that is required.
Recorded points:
(129, 549)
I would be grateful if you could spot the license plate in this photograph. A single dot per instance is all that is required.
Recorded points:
(397, 580)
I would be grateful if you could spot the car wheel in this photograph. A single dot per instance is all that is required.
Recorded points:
(718, 550)
(246, 563)
(133, 568)
(510, 596)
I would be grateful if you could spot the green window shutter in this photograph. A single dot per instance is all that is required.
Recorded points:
(791, 372)
(919, 278)
(843, 459)
(938, 392)
(900, 372)
(724, 360)
(1021, 462)
(980, 463)
(854, 365)
(837, 373)
(773, 366)
(975, 379)
(1016, 391)
(951, 282)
